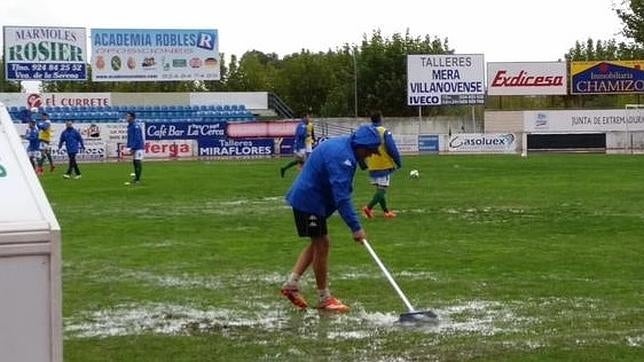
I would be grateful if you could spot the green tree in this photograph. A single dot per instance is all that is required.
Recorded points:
(303, 81)
(7, 86)
(382, 70)
(632, 15)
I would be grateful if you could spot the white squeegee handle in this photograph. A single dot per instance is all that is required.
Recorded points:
(389, 277)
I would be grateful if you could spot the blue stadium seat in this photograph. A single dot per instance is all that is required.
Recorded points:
(242, 107)
(13, 109)
(226, 107)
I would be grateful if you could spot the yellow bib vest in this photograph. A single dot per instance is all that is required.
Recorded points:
(45, 134)
(383, 161)
(309, 133)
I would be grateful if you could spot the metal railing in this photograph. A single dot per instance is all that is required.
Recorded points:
(279, 106)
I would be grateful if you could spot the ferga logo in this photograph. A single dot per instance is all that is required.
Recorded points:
(3, 171)
(477, 141)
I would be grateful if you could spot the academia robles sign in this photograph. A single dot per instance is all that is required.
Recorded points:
(528, 78)
(155, 55)
(45, 53)
(434, 80)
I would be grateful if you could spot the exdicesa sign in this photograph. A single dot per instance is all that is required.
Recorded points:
(527, 78)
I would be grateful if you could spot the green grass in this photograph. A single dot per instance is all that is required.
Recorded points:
(524, 259)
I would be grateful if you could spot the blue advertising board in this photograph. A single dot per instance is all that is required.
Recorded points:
(285, 145)
(185, 130)
(210, 147)
(45, 53)
(428, 143)
(607, 77)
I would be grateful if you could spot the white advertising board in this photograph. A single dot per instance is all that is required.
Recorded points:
(155, 55)
(45, 53)
(164, 149)
(482, 142)
(434, 80)
(406, 143)
(30, 100)
(579, 121)
(527, 78)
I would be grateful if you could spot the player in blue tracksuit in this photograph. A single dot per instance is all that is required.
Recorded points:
(33, 147)
(73, 142)
(136, 144)
(324, 186)
(299, 146)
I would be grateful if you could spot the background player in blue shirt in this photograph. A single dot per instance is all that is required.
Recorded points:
(136, 144)
(299, 146)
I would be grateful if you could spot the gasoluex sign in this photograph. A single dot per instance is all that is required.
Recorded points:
(209, 147)
(482, 142)
(184, 130)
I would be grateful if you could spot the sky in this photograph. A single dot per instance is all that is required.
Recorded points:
(502, 30)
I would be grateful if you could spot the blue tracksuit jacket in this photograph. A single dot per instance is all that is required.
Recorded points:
(72, 140)
(325, 183)
(135, 136)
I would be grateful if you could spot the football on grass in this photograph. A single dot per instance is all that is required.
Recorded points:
(414, 174)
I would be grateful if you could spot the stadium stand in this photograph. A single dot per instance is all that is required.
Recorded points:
(157, 113)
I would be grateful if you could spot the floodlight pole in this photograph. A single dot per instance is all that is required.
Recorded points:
(355, 84)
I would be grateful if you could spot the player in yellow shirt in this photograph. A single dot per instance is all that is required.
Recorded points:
(310, 134)
(381, 166)
(45, 136)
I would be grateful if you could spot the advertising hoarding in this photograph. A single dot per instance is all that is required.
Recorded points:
(607, 77)
(45, 53)
(434, 80)
(527, 78)
(155, 55)
(580, 121)
(482, 142)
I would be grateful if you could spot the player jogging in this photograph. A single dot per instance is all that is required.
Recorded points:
(45, 135)
(310, 134)
(381, 166)
(299, 146)
(33, 146)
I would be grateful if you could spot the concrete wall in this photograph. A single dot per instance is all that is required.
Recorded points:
(503, 121)
(400, 125)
